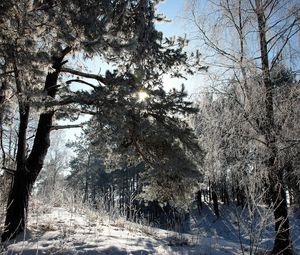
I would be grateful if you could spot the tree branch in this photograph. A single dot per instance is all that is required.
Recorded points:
(81, 81)
(58, 127)
(82, 74)
(209, 41)
(9, 171)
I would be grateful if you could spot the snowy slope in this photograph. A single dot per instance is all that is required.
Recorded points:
(59, 230)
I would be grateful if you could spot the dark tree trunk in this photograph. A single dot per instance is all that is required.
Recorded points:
(240, 196)
(28, 170)
(214, 197)
(282, 243)
(86, 185)
(215, 204)
(86, 190)
(199, 201)
(17, 198)
(225, 195)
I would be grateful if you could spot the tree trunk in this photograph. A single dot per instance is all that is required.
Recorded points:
(282, 243)
(215, 201)
(199, 201)
(28, 170)
(2, 109)
(17, 198)
(86, 185)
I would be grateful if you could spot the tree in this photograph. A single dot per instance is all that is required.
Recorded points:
(262, 10)
(275, 24)
(37, 37)
(151, 131)
(51, 179)
(235, 155)
(86, 168)
(113, 189)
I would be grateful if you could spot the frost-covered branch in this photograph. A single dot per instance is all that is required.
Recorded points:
(59, 127)
(82, 74)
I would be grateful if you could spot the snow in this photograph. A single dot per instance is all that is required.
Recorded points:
(59, 230)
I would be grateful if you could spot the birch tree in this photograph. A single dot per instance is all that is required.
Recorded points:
(251, 39)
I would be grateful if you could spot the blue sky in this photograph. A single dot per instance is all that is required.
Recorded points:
(173, 10)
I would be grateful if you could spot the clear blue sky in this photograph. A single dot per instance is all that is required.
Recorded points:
(173, 10)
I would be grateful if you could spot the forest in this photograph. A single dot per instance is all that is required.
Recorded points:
(94, 143)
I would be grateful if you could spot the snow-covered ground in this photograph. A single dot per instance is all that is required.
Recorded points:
(57, 230)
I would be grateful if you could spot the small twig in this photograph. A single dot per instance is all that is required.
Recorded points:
(30, 137)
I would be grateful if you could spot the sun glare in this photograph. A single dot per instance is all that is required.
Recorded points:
(142, 96)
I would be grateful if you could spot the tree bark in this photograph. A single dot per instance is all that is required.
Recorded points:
(17, 203)
(199, 201)
(28, 169)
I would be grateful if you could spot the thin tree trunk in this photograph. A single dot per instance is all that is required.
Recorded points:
(2, 109)
(86, 185)
(86, 188)
(215, 203)
(215, 200)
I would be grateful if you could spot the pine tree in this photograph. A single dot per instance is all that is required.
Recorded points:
(37, 37)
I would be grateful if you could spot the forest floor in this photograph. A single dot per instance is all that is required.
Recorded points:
(66, 230)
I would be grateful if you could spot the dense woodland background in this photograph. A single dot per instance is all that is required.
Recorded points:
(144, 153)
